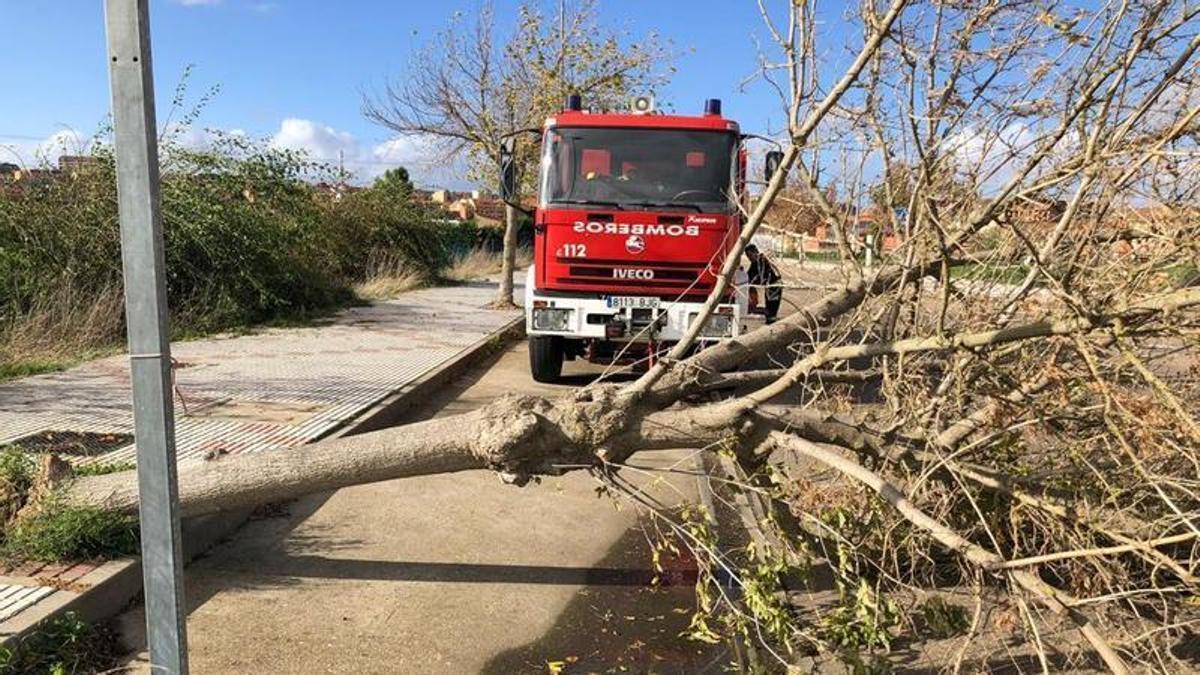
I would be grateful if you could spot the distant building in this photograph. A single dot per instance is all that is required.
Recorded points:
(483, 209)
(72, 164)
(17, 179)
(336, 190)
(446, 196)
(1035, 211)
(489, 210)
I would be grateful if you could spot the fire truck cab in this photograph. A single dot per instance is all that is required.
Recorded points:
(635, 215)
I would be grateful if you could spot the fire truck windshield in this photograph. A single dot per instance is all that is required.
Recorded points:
(638, 168)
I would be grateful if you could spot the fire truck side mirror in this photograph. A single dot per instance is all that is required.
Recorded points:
(774, 159)
(508, 169)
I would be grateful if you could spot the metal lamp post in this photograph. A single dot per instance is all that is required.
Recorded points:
(136, 151)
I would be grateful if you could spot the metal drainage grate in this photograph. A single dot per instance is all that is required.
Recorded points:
(74, 443)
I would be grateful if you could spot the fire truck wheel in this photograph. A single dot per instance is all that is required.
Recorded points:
(545, 357)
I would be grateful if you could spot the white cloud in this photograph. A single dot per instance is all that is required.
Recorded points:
(324, 143)
(319, 142)
(32, 153)
(995, 156)
(187, 136)
(414, 153)
(197, 3)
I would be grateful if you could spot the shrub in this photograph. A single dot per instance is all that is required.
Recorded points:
(71, 533)
(248, 239)
(17, 470)
(64, 645)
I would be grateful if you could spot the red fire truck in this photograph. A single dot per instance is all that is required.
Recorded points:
(636, 213)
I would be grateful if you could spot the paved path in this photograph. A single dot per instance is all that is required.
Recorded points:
(273, 389)
(449, 574)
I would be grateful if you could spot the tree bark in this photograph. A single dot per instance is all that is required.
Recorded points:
(516, 436)
(504, 293)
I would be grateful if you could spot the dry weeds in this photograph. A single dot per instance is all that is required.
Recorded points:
(61, 329)
(481, 263)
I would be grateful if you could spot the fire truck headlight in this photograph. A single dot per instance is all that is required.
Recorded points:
(546, 318)
(717, 326)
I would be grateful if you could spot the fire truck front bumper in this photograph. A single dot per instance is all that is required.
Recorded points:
(625, 318)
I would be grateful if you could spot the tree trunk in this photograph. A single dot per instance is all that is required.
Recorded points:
(243, 481)
(517, 436)
(504, 294)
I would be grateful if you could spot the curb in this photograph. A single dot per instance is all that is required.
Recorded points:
(111, 587)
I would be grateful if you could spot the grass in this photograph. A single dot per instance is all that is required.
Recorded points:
(821, 256)
(385, 286)
(32, 366)
(480, 263)
(17, 470)
(71, 533)
(59, 330)
(943, 619)
(1183, 274)
(103, 468)
(305, 318)
(248, 240)
(65, 645)
(1000, 274)
(59, 533)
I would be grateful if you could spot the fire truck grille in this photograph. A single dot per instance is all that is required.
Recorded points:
(665, 276)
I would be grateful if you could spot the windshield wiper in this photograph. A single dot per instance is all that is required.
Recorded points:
(673, 205)
(589, 202)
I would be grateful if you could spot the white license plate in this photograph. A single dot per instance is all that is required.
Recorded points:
(632, 301)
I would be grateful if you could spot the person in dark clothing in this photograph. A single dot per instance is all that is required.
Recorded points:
(763, 273)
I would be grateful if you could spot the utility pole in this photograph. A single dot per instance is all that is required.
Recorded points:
(135, 146)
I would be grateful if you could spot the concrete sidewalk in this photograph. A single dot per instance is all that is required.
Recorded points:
(273, 389)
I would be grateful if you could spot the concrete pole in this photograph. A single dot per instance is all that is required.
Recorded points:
(136, 149)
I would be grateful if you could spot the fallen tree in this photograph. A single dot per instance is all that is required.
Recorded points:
(1007, 400)
(524, 436)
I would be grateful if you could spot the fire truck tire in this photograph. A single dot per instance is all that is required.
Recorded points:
(545, 357)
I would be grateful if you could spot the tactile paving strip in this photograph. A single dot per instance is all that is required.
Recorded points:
(15, 599)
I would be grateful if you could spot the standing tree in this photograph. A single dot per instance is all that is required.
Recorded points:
(395, 183)
(474, 86)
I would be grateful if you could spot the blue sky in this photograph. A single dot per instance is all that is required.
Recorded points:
(296, 70)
